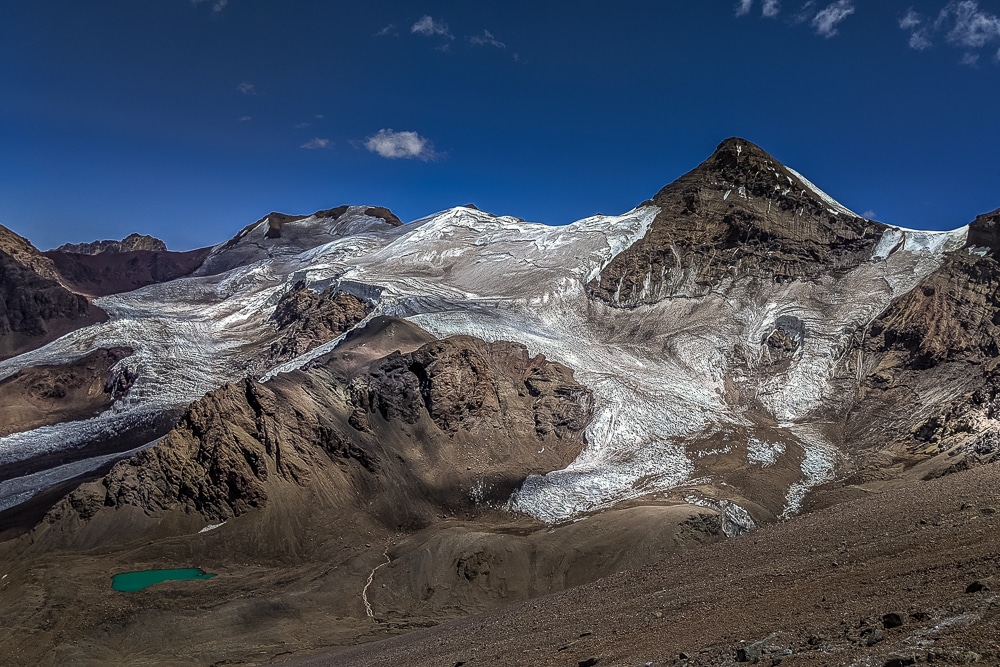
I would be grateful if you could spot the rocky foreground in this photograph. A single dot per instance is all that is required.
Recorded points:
(905, 576)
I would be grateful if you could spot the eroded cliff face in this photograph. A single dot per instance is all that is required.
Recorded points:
(929, 393)
(447, 426)
(35, 308)
(741, 215)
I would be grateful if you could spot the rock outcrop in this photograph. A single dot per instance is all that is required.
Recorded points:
(307, 318)
(739, 215)
(928, 400)
(35, 307)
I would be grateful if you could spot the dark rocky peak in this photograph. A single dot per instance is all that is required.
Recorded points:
(740, 215)
(35, 305)
(984, 232)
(130, 243)
(743, 171)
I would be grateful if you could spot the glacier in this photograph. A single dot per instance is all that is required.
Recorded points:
(659, 373)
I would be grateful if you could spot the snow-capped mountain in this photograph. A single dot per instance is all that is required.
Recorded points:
(382, 426)
(686, 359)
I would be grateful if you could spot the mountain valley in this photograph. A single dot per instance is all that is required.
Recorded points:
(728, 408)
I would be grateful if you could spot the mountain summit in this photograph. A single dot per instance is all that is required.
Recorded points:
(740, 215)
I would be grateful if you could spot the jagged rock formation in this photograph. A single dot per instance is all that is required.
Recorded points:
(35, 307)
(130, 243)
(740, 215)
(307, 318)
(42, 395)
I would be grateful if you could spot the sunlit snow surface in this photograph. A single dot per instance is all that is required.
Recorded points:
(657, 373)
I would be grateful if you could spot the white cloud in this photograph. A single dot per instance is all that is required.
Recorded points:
(806, 13)
(770, 8)
(217, 5)
(869, 215)
(744, 7)
(247, 88)
(972, 28)
(301, 126)
(487, 39)
(245, 119)
(962, 23)
(827, 20)
(316, 143)
(388, 31)
(394, 145)
(911, 20)
(920, 40)
(428, 27)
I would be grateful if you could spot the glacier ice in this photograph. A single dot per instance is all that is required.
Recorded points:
(659, 373)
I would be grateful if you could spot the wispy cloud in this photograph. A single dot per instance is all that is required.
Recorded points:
(969, 59)
(826, 21)
(316, 143)
(961, 23)
(869, 215)
(245, 119)
(487, 39)
(400, 145)
(428, 27)
(301, 126)
(388, 31)
(247, 88)
(970, 27)
(217, 5)
(910, 20)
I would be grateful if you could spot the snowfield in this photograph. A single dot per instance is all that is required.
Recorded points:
(658, 373)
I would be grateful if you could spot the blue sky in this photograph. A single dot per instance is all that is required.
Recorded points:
(188, 120)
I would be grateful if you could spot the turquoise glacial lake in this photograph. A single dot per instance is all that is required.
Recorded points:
(136, 581)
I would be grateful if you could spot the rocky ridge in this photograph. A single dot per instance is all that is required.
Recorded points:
(130, 243)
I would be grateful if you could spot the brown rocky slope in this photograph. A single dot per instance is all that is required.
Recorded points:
(397, 446)
(43, 395)
(35, 306)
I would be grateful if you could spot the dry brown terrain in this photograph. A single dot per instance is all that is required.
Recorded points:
(41, 395)
(827, 588)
